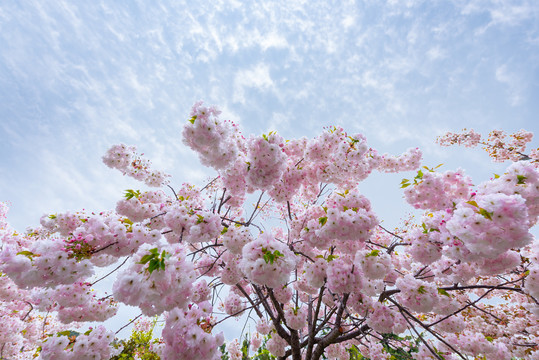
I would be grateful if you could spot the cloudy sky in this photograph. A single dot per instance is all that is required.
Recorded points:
(79, 76)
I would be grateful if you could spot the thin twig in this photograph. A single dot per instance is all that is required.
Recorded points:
(174, 192)
(129, 323)
(119, 266)
(211, 182)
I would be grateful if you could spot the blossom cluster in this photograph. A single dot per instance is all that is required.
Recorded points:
(187, 334)
(161, 289)
(266, 161)
(347, 216)
(45, 264)
(94, 344)
(266, 261)
(75, 302)
(126, 159)
(192, 226)
(409, 160)
(500, 146)
(213, 139)
(438, 191)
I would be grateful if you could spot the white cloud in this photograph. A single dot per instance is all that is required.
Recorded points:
(435, 53)
(273, 40)
(513, 83)
(258, 77)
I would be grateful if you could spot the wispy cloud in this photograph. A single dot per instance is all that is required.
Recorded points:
(256, 78)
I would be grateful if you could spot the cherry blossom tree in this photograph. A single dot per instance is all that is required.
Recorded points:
(308, 263)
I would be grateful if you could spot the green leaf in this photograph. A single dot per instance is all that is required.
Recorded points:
(472, 202)
(373, 253)
(145, 259)
(154, 260)
(270, 257)
(496, 176)
(485, 213)
(422, 290)
(225, 229)
(332, 257)
(323, 220)
(26, 253)
(443, 292)
(52, 217)
(521, 179)
(405, 183)
(200, 219)
(154, 265)
(68, 333)
(192, 120)
(129, 194)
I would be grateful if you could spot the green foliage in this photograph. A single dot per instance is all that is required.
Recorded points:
(137, 345)
(154, 260)
(373, 253)
(419, 177)
(330, 257)
(344, 193)
(30, 255)
(480, 210)
(355, 354)
(225, 356)
(245, 349)
(262, 352)
(443, 292)
(395, 353)
(129, 194)
(266, 137)
(200, 219)
(270, 257)
(426, 230)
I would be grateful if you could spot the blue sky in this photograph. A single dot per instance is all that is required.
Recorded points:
(76, 77)
(79, 76)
